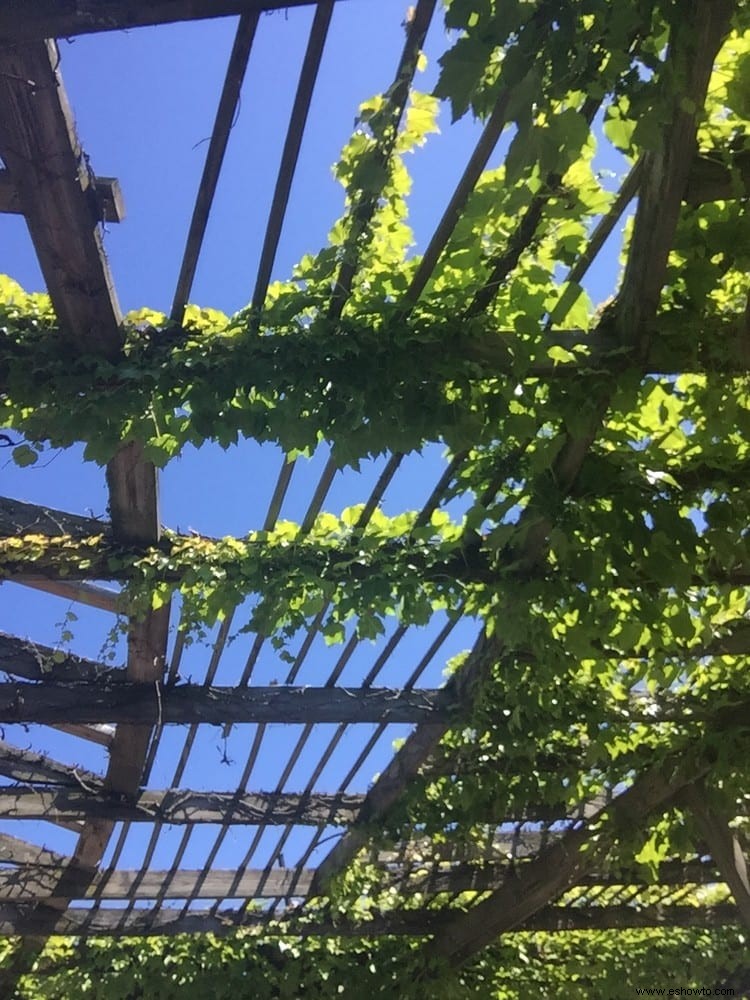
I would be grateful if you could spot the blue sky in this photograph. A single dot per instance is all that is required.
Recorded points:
(144, 101)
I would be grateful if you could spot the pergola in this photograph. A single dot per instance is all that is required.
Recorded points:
(545, 868)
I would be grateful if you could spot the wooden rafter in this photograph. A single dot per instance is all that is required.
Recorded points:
(36, 662)
(43, 885)
(28, 767)
(14, 851)
(217, 146)
(55, 19)
(191, 703)
(178, 807)
(38, 881)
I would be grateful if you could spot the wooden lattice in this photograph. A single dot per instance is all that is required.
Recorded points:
(548, 869)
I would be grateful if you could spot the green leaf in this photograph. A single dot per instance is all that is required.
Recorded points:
(24, 455)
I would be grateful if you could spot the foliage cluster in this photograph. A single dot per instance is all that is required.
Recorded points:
(579, 965)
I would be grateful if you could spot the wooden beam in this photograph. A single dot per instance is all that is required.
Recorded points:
(225, 117)
(106, 559)
(35, 662)
(17, 919)
(724, 844)
(29, 767)
(141, 704)
(54, 187)
(693, 45)
(14, 851)
(178, 807)
(56, 192)
(20, 518)
(93, 596)
(103, 735)
(66, 18)
(39, 881)
(110, 206)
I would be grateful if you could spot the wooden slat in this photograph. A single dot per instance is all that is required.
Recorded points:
(65, 18)
(366, 204)
(141, 704)
(468, 181)
(110, 205)
(178, 807)
(292, 145)
(225, 115)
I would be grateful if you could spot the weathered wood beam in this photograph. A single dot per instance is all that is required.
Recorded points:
(20, 518)
(90, 594)
(35, 662)
(39, 881)
(17, 919)
(101, 734)
(724, 844)
(140, 704)
(178, 807)
(110, 206)
(26, 766)
(54, 187)
(14, 851)
(66, 18)
(56, 192)
(58, 800)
